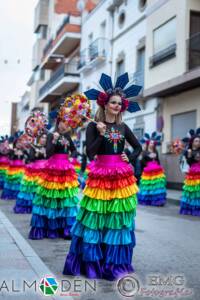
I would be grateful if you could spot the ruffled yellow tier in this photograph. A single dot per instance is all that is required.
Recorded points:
(104, 194)
(192, 182)
(57, 186)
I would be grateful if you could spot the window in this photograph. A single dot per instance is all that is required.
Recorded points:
(121, 19)
(164, 43)
(194, 40)
(120, 67)
(42, 32)
(103, 29)
(90, 39)
(39, 74)
(142, 4)
(164, 36)
(138, 132)
(139, 74)
(182, 123)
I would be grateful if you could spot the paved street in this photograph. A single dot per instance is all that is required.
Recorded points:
(167, 244)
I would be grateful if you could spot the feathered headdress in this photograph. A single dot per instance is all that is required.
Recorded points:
(119, 88)
(4, 138)
(14, 138)
(155, 136)
(191, 135)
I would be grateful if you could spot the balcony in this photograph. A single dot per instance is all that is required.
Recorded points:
(97, 53)
(67, 39)
(193, 52)
(41, 14)
(38, 52)
(65, 79)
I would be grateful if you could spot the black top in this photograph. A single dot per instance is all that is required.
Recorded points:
(64, 144)
(112, 142)
(37, 153)
(16, 154)
(146, 158)
(195, 157)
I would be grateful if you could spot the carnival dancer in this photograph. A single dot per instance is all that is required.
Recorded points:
(55, 201)
(4, 160)
(153, 181)
(37, 160)
(35, 143)
(190, 201)
(15, 171)
(103, 235)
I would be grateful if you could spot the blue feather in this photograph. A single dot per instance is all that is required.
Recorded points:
(198, 131)
(53, 114)
(143, 141)
(92, 94)
(132, 91)
(133, 107)
(154, 135)
(159, 137)
(106, 82)
(147, 136)
(192, 132)
(122, 81)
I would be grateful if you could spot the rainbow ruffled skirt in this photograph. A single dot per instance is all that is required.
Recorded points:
(4, 164)
(13, 179)
(28, 187)
(103, 236)
(152, 185)
(55, 203)
(190, 201)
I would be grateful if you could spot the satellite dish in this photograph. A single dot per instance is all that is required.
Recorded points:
(81, 5)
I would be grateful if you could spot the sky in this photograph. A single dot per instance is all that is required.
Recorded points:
(16, 42)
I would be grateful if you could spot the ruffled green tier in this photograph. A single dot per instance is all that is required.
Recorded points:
(97, 221)
(111, 206)
(192, 188)
(55, 203)
(153, 184)
(61, 194)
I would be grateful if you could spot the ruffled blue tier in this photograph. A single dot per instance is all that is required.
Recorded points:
(52, 223)
(100, 253)
(190, 209)
(152, 197)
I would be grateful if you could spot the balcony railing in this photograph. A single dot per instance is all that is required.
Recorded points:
(67, 69)
(82, 59)
(163, 55)
(97, 49)
(193, 48)
(66, 21)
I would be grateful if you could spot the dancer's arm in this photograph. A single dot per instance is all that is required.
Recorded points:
(133, 141)
(93, 140)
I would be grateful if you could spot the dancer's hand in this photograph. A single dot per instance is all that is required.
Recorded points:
(101, 127)
(124, 157)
